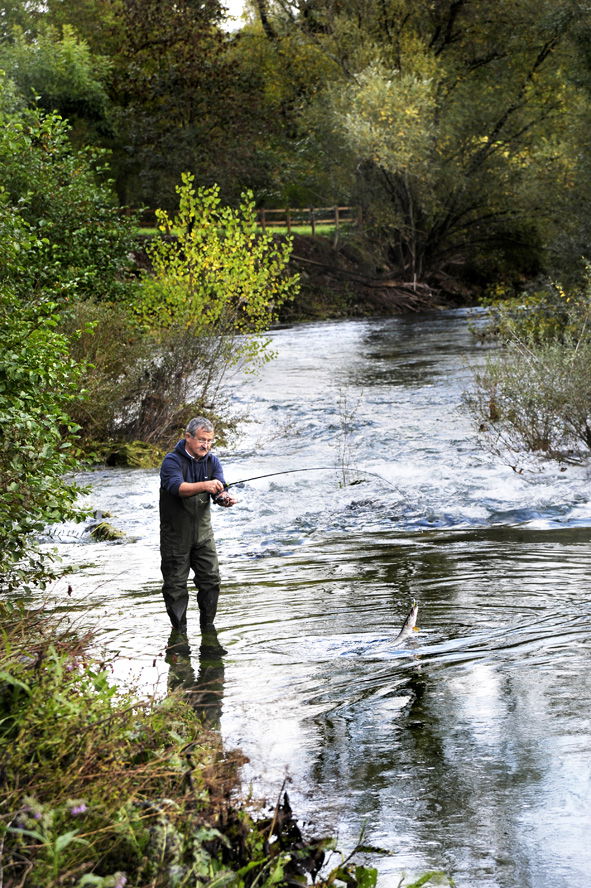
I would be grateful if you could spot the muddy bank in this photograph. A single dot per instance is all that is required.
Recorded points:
(339, 280)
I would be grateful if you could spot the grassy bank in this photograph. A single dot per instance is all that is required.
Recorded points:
(100, 788)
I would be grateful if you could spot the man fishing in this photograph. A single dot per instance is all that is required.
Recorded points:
(190, 477)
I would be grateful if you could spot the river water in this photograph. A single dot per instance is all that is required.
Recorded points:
(464, 749)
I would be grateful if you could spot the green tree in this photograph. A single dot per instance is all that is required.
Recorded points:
(167, 69)
(84, 241)
(61, 241)
(56, 71)
(460, 129)
(273, 152)
(218, 272)
(215, 288)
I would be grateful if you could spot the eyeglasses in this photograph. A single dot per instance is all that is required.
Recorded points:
(209, 442)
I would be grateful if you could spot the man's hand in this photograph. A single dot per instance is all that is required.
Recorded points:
(214, 486)
(224, 499)
(190, 488)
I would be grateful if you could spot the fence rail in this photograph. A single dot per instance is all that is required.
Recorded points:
(308, 217)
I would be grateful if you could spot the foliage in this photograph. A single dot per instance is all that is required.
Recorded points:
(462, 135)
(140, 385)
(105, 337)
(201, 312)
(82, 240)
(38, 382)
(549, 313)
(218, 272)
(58, 71)
(60, 239)
(273, 152)
(103, 789)
(463, 130)
(214, 289)
(167, 66)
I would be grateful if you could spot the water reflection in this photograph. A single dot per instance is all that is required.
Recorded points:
(205, 690)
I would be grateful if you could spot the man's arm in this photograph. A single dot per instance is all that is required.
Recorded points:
(190, 488)
(172, 480)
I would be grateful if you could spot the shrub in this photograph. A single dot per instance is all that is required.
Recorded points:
(136, 387)
(535, 397)
(549, 313)
(534, 393)
(38, 382)
(63, 196)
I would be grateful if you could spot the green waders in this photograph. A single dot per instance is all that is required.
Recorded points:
(186, 543)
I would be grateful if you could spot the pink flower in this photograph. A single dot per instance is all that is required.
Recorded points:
(78, 809)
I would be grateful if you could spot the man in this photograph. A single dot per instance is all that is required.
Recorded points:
(191, 476)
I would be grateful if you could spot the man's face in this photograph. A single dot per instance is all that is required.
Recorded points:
(200, 443)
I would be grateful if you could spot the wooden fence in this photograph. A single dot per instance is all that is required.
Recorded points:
(309, 217)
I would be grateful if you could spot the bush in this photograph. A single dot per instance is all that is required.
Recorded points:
(536, 397)
(61, 239)
(216, 276)
(200, 315)
(549, 313)
(83, 240)
(534, 394)
(137, 388)
(38, 382)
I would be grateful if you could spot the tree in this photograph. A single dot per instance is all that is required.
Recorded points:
(456, 124)
(56, 71)
(273, 153)
(61, 241)
(166, 71)
(215, 288)
(83, 241)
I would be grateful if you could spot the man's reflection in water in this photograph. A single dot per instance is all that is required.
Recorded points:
(205, 691)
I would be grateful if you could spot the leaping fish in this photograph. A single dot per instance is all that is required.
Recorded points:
(409, 626)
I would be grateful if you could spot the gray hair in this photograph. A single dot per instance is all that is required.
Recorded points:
(198, 423)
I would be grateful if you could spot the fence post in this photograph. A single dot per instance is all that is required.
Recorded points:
(263, 220)
(288, 217)
(312, 220)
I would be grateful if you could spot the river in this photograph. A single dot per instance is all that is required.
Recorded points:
(464, 749)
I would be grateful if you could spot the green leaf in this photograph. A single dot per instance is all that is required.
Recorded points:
(67, 838)
(6, 676)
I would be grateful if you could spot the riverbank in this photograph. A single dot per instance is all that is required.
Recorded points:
(103, 788)
(338, 280)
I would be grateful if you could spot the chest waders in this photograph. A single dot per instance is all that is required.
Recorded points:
(187, 543)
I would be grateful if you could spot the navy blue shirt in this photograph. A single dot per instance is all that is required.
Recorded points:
(179, 466)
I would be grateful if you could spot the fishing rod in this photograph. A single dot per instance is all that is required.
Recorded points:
(287, 472)
(312, 469)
